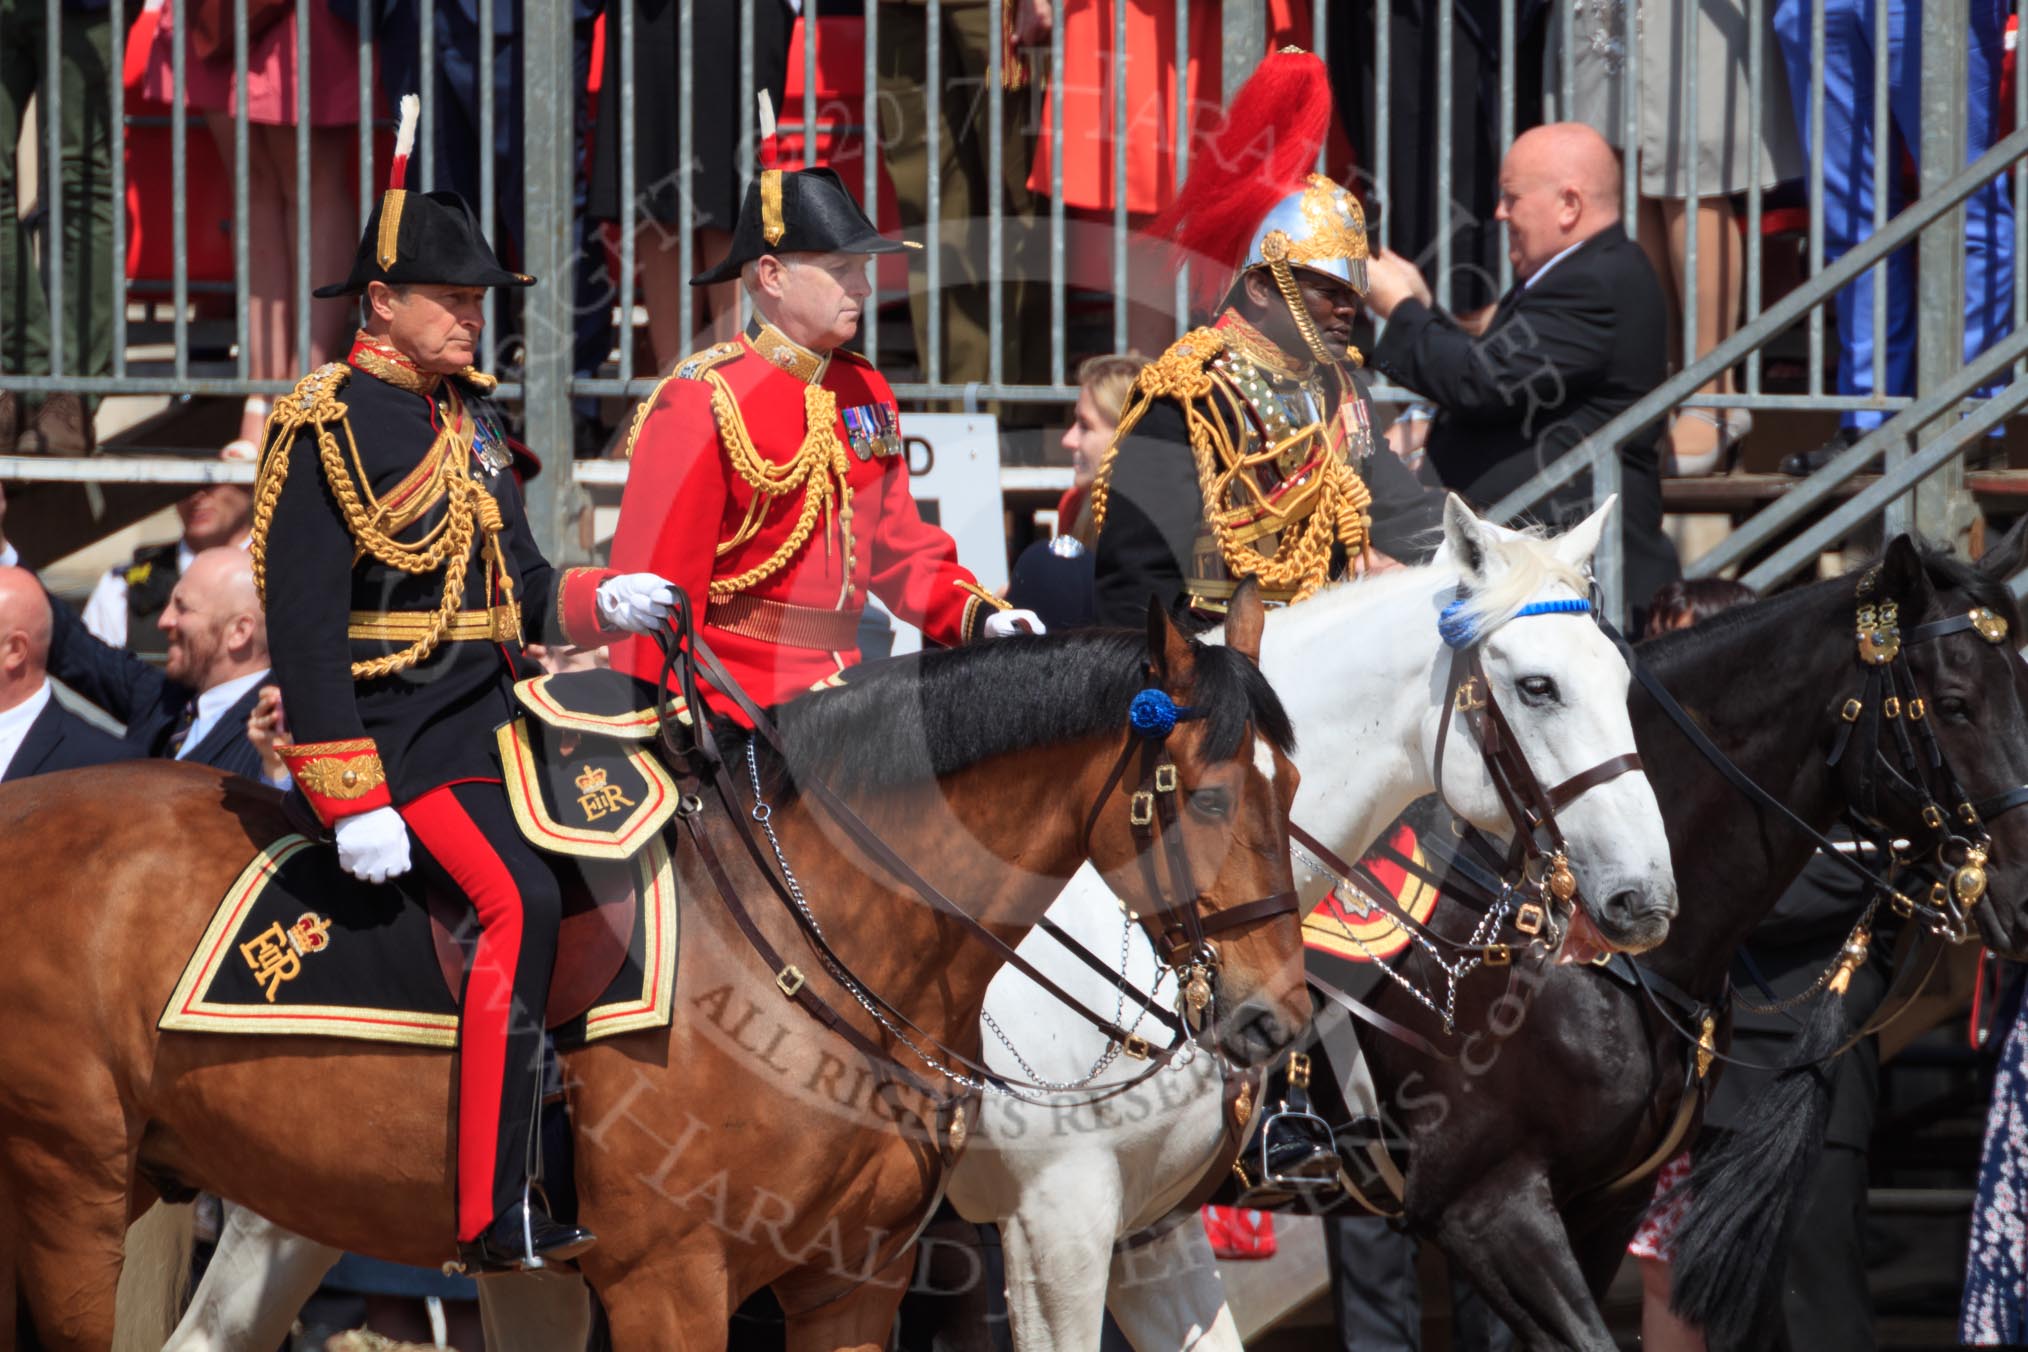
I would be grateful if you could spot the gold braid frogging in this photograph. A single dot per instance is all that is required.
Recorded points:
(1302, 559)
(469, 509)
(819, 461)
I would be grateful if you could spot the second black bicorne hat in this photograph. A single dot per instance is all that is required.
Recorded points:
(430, 238)
(795, 211)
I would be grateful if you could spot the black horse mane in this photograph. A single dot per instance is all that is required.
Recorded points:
(1947, 572)
(908, 719)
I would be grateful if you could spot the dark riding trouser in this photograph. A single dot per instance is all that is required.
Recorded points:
(471, 843)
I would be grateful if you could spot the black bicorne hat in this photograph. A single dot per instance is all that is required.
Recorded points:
(421, 237)
(796, 211)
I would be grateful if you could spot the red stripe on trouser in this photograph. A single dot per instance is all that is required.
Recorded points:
(444, 828)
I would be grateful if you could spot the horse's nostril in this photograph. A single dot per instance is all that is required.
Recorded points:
(1624, 906)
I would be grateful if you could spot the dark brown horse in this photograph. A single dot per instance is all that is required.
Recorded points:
(1566, 1079)
(745, 1145)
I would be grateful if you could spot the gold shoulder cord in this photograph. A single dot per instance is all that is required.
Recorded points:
(470, 508)
(819, 468)
(1340, 497)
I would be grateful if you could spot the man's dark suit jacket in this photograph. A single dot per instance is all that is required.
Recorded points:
(1557, 362)
(59, 740)
(146, 700)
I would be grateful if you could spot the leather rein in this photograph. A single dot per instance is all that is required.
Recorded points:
(1186, 934)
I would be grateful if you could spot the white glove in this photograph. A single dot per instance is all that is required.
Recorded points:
(636, 602)
(1001, 623)
(373, 846)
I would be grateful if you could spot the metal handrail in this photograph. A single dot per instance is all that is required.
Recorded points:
(1594, 450)
(1807, 493)
(1798, 552)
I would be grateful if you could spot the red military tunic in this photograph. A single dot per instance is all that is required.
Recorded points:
(772, 481)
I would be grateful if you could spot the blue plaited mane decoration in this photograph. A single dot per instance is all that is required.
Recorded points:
(1458, 629)
(1154, 715)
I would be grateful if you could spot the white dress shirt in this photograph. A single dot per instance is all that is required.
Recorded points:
(212, 705)
(1543, 271)
(15, 722)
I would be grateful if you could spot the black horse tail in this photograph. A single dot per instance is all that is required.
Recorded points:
(1746, 1191)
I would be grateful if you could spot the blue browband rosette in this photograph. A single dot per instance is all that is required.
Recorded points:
(1455, 626)
(1457, 629)
(1154, 715)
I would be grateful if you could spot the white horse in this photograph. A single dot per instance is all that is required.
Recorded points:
(1362, 672)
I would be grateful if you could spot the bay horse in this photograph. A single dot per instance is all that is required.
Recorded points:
(1361, 671)
(1524, 1145)
(743, 1146)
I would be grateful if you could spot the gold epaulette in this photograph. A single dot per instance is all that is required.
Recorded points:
(313, 401)
(691, 367)
(1181, 373)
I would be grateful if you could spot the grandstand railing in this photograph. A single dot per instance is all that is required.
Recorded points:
(545, 384)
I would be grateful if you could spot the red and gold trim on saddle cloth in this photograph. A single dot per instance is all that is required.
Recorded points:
(253, 973)
(340, 779)
(607, 807)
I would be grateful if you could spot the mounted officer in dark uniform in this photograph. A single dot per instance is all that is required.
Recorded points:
(1247, 449)
(400, 579)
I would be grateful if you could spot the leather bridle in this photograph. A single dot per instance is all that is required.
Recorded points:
(1152, 815)
(1538, 856)
(1885, 734)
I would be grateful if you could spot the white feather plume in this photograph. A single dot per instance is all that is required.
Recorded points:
(404, 136)
(767, 113)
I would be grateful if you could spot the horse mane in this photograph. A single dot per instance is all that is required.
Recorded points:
(1947, 572)
(1532, 565)
(905, 720)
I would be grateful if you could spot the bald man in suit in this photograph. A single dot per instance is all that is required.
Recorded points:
(37, 734)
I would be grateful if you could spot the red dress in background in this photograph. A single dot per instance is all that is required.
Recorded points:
(1088, 181)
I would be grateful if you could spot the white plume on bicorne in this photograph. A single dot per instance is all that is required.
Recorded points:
(767, 115)
(404, 136)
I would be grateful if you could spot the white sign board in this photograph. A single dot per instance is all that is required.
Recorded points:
(954, 472)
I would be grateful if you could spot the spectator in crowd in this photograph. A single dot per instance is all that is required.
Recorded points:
(956, 95)
(1150, 132)
(1405, 210)
(662, 71)
(1693, 600)
(61, 423)
(126, 603)
(1993, 1311)
(1054, 577)
(1731, 115)
(37, 734)
(454, 151)
(1576, 341)
(1851, 44)
(197, 705)
(269, 90)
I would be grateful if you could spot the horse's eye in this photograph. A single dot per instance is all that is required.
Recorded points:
(1538, 689)
(1954, 707)
(1210, 802)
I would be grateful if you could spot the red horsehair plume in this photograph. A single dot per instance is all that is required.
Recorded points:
(1244, 161)
(404, 142)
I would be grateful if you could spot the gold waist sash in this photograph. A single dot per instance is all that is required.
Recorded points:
(500, 624)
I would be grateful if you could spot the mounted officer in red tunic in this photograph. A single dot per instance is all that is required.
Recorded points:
(401, 579)
(768, 478)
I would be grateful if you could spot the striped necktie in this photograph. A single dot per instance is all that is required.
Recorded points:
(181, 732)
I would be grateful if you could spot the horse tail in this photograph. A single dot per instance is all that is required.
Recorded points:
(1746, 1192)
(154, 1277)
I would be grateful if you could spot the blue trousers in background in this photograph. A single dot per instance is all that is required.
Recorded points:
(1851, 38)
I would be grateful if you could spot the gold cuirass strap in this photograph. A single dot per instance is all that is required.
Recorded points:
(791, 626)
(500, 624)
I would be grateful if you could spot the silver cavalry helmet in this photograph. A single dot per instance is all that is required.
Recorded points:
(1319, 227)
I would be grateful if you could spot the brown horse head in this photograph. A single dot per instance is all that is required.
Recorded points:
(1209, 877)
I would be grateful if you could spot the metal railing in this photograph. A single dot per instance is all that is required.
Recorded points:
(1416, 84)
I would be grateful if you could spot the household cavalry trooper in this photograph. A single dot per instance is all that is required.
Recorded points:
(1247, 449)
(767, 476)
(400, 580)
